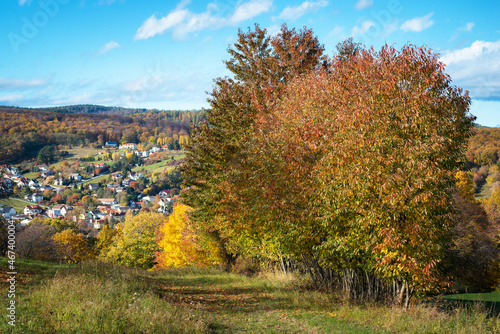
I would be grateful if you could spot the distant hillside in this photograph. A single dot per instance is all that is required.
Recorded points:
(484, 147)
(24, 131)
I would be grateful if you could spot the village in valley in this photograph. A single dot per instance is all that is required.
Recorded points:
(124, 179)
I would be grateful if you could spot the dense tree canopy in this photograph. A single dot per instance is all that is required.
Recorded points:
(344, 163)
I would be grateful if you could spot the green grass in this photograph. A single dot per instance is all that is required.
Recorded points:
(32, 175)
(160, 166)
(102, 298)
(97, 179)
(483, 297)
(485, 191)
(76, 153)
(18, 205)
(157, 167)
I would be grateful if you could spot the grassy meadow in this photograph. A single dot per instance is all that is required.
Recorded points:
(17, 204)
(101, 298)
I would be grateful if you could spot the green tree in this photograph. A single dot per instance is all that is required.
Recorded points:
(46, 154)
(135, 245)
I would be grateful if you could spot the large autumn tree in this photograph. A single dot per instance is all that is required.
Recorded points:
(346, 167)
(261, 67)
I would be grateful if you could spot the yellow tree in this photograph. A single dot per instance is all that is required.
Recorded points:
(181, 245)
(135, 246)
(105, 239)
(465, 185)
(73, 247)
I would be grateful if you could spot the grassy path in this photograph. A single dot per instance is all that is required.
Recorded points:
(238, 304)
(95, 297)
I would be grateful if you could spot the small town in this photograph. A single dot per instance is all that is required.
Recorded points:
(90, 194)
(250, 166)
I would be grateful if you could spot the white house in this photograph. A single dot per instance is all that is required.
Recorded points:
(116, 176)
(59, 181)
(142, 154)
(34, 197)
(75, 176)
(135, 176)
(163, 193)
(66, 209)
(155, 149)
(33, 184)
(130, 146)
(148, 199)
(7, 212)
(164, 201)
(55, 211)
(110, 144)
(107, 201)
(45, 173)
(32, 209)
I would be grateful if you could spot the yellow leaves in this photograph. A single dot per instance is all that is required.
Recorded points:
(134, 244)
(180, 245)
(465, 185)
(73, 246)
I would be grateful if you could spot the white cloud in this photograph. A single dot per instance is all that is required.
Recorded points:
(11, 97)
(337, 32)
(293, 13)
(14, 83)
(109, 46)
(79, 99)
(476, 50)
(22, 2)
(468, 27)
(476, 68)
(249, 10)
(365, 26)
(152, 26)
(273, 30)
(183, 21)
(418, 23)
(362, 4)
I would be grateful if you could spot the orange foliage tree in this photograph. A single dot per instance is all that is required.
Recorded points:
(347, 168)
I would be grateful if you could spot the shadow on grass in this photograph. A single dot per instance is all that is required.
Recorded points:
(446, 304)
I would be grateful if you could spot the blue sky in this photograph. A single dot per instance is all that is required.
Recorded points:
(165, 54)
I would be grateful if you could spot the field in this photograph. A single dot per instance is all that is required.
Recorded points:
(76, 153)
(485, 191)
(101, 298)
(97, 179)
(17, 204)
(160, 166)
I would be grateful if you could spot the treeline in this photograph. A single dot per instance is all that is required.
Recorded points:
(192, 116)
(23, 132)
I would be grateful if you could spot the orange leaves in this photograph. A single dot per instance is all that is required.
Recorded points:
(387, 132)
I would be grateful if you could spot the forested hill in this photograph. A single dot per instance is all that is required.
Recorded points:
(189, 115)
(484, 146)
(23, 131)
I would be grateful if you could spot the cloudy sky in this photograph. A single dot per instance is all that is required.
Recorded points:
(165, 54)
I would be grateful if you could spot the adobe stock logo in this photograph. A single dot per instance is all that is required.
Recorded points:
(30, 27)
(381, 20)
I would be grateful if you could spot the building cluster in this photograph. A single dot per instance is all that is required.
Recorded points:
(108, 209)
